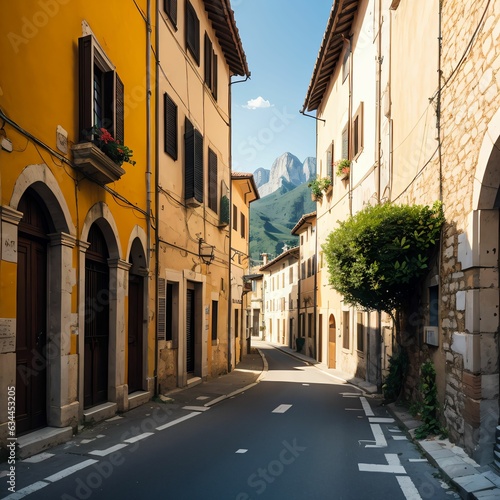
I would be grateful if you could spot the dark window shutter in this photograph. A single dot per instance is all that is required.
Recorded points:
(243, 225)
(119, 111)
(162, 319)
(212, 180)
(85, 86)
(192, 32)
(235, 218)
(198, 166)
(215, 77)
(170, 7)
(170, 126)
(193, 164)
(208, 61)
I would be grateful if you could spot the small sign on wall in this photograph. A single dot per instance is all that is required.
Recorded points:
(7, 335)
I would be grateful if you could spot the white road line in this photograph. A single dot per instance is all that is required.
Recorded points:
(400, 438)
(38, 458)
(380, 420)
(392, 469)
(409, 490)
(27, 491)
(281, 408)
(138, 438)
(107, 451)
(353, 394)
(392, 459)
(367, 407)
(241, 450)
(202, 398)
(417, 460)
(380, 441)
(178, 421)
(70, 470)
(196, 408)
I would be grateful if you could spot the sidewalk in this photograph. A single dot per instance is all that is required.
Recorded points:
(471, 480)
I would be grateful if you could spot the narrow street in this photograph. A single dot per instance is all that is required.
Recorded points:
(299, 433)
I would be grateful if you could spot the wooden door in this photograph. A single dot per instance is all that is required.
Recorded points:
(31, 362)
(96, 320)
(332, 346)
(31, 315)
(135, 324)
(190, 331)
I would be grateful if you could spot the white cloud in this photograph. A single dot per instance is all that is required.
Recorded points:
(257, 103)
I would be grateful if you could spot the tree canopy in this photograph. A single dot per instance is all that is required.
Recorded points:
(376, 257)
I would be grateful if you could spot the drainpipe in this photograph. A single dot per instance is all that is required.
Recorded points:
(157, 199)
(229, 284)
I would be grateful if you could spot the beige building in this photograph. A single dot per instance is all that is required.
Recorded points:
(199, 51)
(280, 297)
(420, 122)
(309, 325)
(243, 192)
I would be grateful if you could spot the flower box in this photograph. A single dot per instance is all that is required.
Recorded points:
(88, 158)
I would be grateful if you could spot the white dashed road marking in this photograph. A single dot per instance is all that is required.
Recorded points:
(138, 438)
(177, 421)
(282, 408)
(70, 470)
(107, 451)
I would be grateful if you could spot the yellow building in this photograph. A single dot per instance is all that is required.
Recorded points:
(198, 52)
(243, 192)
(75, 261)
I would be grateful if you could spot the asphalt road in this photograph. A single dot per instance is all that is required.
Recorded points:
(298, 434)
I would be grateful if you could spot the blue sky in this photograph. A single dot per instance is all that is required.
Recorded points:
(281, 39)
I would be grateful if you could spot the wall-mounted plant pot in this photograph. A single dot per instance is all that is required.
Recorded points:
(88, 158)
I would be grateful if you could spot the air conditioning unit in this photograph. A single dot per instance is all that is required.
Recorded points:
(431, 335)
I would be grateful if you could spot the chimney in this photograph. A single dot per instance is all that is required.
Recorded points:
(265, 257)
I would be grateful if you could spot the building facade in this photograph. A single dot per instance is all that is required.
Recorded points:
(199, 51)
(419, 123)
(280, 297)
(243, 192)
(75, 252)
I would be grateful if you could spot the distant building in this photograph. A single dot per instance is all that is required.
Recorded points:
(280, 297)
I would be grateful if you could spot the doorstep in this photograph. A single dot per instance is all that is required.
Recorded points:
(99, 413)
(42, 439)
(138, 398)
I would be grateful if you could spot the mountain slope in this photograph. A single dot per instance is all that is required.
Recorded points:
(274, 216)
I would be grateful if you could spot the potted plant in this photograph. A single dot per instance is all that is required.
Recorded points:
(111, 147)
(319, 186)
(342, 168)
(316, 191)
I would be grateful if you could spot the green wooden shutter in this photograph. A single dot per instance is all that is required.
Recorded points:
(193, 165)
(212, 181)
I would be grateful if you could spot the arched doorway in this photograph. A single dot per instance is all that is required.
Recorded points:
(136, 317)
(31, 324)
(96, 319)
(332, 346)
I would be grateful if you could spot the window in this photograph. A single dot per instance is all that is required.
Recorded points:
(215, 319)
(243, 226)
(192, 32)
(360, 330)
(235, 218)
(100, 92)
(303, 270)
(210, 67)
(282, 303)
(345, 143)
(345, 330)
(283, 280)
(290, 277)
(309, 324)
(329, 161)
(212, 181)
(357, 132)
(170, 7)
(170, 126)
(193, 165)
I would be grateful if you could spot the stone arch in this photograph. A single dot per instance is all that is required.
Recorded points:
(42, 180)
(488, 168)
(101, 214)
(138, 233)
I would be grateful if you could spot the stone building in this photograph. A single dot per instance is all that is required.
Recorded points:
(420, 122)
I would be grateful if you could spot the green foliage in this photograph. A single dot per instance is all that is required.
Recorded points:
(376, 257)
(429, 406)
(342, 167)
(398, 368)
(224, 210)
(319, 185)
